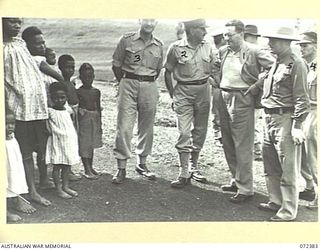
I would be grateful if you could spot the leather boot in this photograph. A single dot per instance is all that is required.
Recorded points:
(195, 173)
(119, 176)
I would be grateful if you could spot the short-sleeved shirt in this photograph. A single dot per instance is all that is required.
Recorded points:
(135, 56)
(24, 85)
(188, 63)
(286, 85)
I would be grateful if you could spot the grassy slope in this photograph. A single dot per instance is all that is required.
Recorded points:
(90, 40)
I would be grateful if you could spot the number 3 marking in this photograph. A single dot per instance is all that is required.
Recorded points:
(137, 58)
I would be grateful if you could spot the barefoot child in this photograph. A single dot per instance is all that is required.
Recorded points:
(90, 132)
(62, 145)
(66, 65)
(16, 184)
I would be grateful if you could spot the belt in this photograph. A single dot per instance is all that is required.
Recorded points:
(129, 75)
(233, 90)
(278, 111)
(197, 82)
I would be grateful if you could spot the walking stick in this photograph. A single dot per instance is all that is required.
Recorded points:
(26, 201)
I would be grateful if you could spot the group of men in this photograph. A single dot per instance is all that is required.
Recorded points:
(241, 74)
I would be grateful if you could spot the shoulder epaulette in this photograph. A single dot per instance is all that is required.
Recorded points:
(158, 40)
(129, 34)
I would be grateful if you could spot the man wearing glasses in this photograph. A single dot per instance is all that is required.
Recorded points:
(240, 66)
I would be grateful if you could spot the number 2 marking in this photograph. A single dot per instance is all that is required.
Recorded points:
(184, 54)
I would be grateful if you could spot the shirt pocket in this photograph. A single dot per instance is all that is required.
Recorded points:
(282, 87)
(207, 66)
(152, 60)
(185, 68)
(133, 56)
(312, 85)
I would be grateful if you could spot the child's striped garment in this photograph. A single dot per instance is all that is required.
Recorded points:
(62, 145)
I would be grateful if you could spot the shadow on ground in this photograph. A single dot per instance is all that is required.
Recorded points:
(140, 200)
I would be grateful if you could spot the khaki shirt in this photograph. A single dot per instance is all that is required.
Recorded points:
(286, 86)
(312, 82)
(188, 63)
(135, 56)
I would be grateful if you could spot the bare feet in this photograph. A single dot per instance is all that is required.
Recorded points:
(74, 177)
(70, 191)
(13, 217)
(47, 184)
(22, 206)
(63, 194)
(39, 199)
(91, 176)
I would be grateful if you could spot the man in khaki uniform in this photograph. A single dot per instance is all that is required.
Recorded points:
(190, 60)
(137, 62)
(308, 46)
(285, 101)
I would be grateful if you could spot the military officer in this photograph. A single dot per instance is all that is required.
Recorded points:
(286, 104)
(190, 60)
(137, 62)
(308, 46)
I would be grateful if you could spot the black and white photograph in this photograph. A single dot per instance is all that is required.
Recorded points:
(160, 120)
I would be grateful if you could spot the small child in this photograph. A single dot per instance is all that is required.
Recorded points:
(62, 145)
(90, 132)
(66, 65)
(51, 58)
(16, 183)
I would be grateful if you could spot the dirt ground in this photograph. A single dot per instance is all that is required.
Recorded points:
(140, 200)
